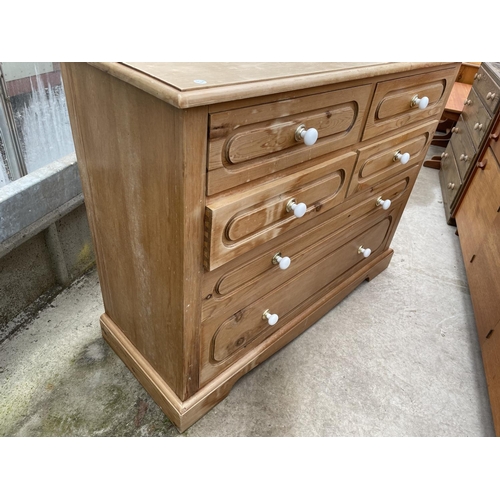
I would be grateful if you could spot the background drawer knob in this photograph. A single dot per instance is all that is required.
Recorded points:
(490, 95)
(451, 186)
(298, 209)
(478, 126)
(455, 130)
(384, 203)
(420, 102)
(284, 262)
(365, 251)
(464, 157)
(467, 102)
(444, 155)
(309, 136)
(404, 158)
(478, 76)
(272, 319)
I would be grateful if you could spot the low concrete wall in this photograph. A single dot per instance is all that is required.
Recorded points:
(45, 241)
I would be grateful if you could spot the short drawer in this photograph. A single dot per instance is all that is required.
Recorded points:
(381, 161)
(392, 106)
(463, 148)
(486, 87)
(252, 142)
(449, 178)
(237, 223)
(228, 287)
(225, 339)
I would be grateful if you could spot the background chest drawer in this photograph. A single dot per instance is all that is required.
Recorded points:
(240, 222)
(248, 143)
(486, 87)
(463, 148)
(393, 103)
(449, 177)
(478, 125)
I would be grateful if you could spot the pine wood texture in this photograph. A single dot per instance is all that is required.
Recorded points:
(391, 106)
(248, 143)
(248, 79)
(187, 188)
(491, 361)
(142, 164)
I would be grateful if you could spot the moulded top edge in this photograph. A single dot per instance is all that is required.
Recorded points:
(196, 84)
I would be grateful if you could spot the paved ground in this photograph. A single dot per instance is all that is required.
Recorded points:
(398, 357)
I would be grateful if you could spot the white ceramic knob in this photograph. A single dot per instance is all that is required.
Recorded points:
(444, 155)
(385, 204)
(298, 209)
(478, 126)
(308, 136)
(491, 95)
(284, 262)
(422, 103)
(403, 158)
(464, 157)
(365, 251)
(272, 319)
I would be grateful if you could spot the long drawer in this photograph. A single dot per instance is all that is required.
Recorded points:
(252, 142)
(479, 206)
(483, 276)
(237, 223)
(226, 338)
(491, 361)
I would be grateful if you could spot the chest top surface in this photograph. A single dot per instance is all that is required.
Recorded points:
(189, 84)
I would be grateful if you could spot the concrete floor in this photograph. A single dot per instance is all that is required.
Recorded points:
(398, 357)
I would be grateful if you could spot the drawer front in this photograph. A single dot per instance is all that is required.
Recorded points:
(392, 107)
(491, 360)
(252, 142)
(483, 276)
(450, 179)
(463, 148)
(479, 206)
(494, 142)
(470, 109)
(479, 126)
(378, 161)
(227, 288)
(223, 340)
(235, 224)
(487, 89)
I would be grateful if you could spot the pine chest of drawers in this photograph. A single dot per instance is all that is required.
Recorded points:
(233, 205)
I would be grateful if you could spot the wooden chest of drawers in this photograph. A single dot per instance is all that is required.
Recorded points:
(478, 221)
(233, 205)
(468, 136)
